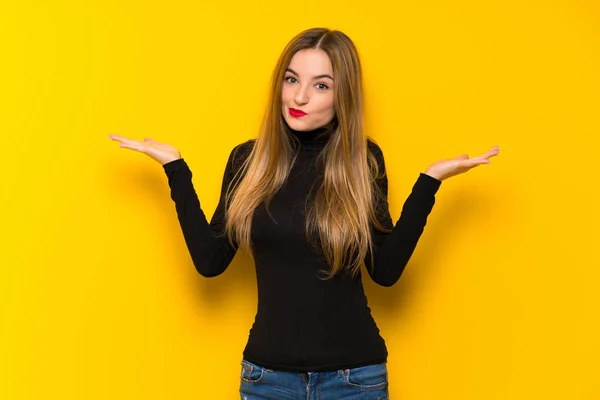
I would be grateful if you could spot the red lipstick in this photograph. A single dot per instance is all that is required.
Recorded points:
(296, 113)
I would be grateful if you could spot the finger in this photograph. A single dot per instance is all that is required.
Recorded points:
(114, 136)
(462, 157)
(123, 139)
(134, 146)
(494, 151)
(147, 139)
(475, 161)
(491, 153)
(480, 158)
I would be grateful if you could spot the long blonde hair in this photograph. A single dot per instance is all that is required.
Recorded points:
(343, 207)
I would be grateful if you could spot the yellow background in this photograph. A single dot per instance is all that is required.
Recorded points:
(98, 296)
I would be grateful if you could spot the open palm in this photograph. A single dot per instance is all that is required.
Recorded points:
(161, 152)
(444, 169)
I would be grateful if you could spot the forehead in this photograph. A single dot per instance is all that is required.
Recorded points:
(311, 62)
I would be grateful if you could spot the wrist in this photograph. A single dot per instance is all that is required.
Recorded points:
(433, 175)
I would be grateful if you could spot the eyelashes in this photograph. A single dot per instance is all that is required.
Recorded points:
(322, 88)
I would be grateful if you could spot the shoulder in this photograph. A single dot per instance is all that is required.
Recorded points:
(243, 149)
(239, 153)
(376, 152)
(374, 148)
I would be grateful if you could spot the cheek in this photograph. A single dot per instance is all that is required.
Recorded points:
(328, 106)
(285, 95)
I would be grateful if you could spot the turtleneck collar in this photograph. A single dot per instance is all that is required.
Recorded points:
(315, 139)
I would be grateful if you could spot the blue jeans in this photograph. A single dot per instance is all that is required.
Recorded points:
(362, 383)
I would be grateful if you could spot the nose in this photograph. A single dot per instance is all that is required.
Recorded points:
(301, 95)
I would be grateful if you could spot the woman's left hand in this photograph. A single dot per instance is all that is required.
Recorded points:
(444, 169)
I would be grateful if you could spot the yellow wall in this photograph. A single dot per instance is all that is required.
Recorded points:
(98, 296)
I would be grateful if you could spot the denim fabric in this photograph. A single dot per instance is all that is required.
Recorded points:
(362, 383)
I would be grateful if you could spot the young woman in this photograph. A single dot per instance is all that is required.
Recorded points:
(308, 199)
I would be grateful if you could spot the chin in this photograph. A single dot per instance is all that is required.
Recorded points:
(295, 124)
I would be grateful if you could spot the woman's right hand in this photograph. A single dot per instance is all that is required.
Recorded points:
(161, 152)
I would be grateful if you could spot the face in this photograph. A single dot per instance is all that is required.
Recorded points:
(307, 90)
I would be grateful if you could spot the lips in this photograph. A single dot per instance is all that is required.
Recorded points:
(296, 113)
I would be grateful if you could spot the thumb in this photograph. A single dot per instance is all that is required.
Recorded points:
(147, 139)
(462, 157)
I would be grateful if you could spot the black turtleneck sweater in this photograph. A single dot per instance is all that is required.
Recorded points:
(303, 323)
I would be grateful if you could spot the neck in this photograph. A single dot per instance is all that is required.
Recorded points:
(314, 139)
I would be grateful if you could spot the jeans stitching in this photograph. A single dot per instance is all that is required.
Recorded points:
(376, 386)
(246, 366)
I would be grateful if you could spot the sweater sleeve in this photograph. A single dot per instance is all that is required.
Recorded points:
(208, 246)
(393, 250)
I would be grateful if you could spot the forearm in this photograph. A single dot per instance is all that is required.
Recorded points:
(210, 251)
(394, 250)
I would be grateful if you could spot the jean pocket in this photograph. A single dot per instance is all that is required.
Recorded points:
(369, 377)
(251, 373)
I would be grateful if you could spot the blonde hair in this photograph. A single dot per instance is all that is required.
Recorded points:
(343, 207)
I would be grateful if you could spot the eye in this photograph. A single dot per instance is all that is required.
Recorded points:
(287, 78)
(325, 87)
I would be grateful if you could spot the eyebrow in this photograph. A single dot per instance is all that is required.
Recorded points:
(315, 77)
